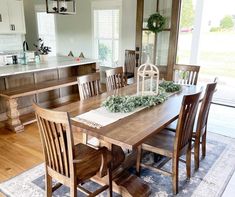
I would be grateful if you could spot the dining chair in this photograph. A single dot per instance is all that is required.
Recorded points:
(69, 164)
(115, 79)
(129, 65)
(173, 145)
(186, 74)
(89, 85)
(200, 131)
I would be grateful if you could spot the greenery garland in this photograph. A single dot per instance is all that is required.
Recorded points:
(170, 86)
(130, 103)
(126, 104)
(156, 23)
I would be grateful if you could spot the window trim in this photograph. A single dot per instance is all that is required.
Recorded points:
(106, 5)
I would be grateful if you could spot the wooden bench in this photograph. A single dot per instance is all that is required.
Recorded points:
(11, 95)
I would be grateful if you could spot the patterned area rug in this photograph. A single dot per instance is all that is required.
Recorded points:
(209, 181)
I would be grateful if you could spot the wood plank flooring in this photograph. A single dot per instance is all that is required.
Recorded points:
(19, 152)
(22, 151)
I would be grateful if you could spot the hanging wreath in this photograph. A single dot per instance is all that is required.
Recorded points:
(156, 23)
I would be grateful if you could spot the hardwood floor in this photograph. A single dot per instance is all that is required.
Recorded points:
(22, 151)
(19, 152)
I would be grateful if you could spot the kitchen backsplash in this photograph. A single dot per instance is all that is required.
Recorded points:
(11, 42)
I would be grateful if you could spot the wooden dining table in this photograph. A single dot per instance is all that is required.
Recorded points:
(129, 133)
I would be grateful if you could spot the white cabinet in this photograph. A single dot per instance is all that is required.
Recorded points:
(4, 17)
(12, 17)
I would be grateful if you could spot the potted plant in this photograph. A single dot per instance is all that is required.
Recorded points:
(42, 50)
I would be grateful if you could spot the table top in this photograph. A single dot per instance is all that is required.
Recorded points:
(51, 63)
(131, 131)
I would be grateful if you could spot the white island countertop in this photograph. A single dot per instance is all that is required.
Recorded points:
(51, 63)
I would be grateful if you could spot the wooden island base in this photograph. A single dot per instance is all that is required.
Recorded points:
(21, 85)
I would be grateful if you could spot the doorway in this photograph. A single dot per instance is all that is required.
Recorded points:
(207, 38)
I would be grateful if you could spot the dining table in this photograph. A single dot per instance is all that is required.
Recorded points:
(125, 136)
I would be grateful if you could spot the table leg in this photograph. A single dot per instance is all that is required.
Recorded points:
(13, 123)
(124, 182)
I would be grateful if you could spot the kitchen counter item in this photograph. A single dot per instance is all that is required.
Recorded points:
(51, 63)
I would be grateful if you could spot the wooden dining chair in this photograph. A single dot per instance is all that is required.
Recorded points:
(186, 74)
(199, 136)
(173, 145)
(89, 85)
(65, 162)
(200, 131)
(129, 65)
(115, 79)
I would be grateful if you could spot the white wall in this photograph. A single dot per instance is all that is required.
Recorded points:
(74, 32)
(128, 27)
(11, 42)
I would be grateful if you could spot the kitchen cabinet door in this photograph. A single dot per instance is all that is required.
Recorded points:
(4, 17)
(16, 16)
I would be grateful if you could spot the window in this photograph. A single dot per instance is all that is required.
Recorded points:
(46, 30)
(106, 36)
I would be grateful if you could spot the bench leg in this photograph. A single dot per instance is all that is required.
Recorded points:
(13, 123)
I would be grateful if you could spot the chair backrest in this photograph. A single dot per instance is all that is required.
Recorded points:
(57, 140)
(115, 79)
(205, 108)
(186, 74)
(89, 85)
(129, 65)
(186, 121)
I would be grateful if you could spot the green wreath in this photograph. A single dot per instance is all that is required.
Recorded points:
(156, 23)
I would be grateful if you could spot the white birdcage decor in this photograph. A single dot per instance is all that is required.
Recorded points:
(147, 79)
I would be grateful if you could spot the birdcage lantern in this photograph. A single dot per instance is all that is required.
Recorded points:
(65, 7)
(147, 79)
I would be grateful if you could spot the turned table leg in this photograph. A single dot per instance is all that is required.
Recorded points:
(13, 123)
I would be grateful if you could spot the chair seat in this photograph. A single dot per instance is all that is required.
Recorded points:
(161, 143)
(88, 166)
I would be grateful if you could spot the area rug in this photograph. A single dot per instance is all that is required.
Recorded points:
(209, 181)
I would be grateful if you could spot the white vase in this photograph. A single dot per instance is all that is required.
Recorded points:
(43, 58)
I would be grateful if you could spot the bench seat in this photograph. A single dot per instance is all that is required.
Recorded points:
(38, 88)
(14, 121)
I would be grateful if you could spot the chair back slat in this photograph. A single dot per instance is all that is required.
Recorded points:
(89, 85)
(55, 132)
(129, 65)
(205, 108)
(115, 79)
(186, 120)
(186, 74)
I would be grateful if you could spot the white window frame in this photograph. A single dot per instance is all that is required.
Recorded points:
(106, 5)
(41, 8)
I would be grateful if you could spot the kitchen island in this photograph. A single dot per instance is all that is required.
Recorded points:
(49, 83)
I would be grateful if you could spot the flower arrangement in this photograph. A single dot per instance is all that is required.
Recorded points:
(41, 49)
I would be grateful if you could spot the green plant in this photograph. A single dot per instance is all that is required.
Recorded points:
(188, 14)
(227, 22)
(130, 103)
(126, 104)
(170, 86)
(41, 49)
(215, 29)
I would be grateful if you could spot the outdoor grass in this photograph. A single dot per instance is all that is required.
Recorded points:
(217, 53)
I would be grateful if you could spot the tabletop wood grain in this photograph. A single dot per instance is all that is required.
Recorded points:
(131, 131)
